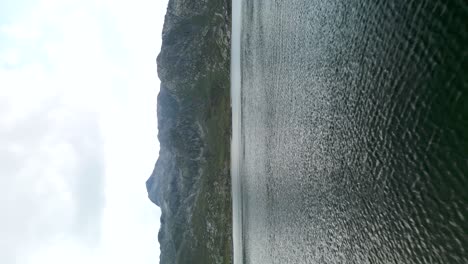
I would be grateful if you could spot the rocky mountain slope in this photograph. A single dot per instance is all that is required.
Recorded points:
(191, 180)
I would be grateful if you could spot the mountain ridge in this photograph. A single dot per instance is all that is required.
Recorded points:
(191, 180)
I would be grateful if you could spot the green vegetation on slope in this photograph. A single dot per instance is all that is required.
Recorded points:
(191, 179)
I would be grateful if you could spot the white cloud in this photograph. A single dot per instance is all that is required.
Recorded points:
(52, 177)
(20, 32)
(78, 132)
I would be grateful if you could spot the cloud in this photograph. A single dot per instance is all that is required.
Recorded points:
(78, 90)
(52, 173)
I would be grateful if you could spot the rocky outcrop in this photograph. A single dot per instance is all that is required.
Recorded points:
(191, 181)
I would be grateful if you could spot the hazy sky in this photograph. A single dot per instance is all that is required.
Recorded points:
(78, 90)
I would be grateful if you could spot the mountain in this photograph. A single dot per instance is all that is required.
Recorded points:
(191, 178)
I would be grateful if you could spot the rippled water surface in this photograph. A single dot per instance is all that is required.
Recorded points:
(350, 139)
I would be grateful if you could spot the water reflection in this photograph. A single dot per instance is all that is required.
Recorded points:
(353, 132)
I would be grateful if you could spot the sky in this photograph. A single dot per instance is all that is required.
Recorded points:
(78, 129)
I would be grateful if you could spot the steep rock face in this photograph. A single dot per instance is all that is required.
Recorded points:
(191, 181)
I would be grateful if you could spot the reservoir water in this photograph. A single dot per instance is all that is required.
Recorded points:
(350, 131)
